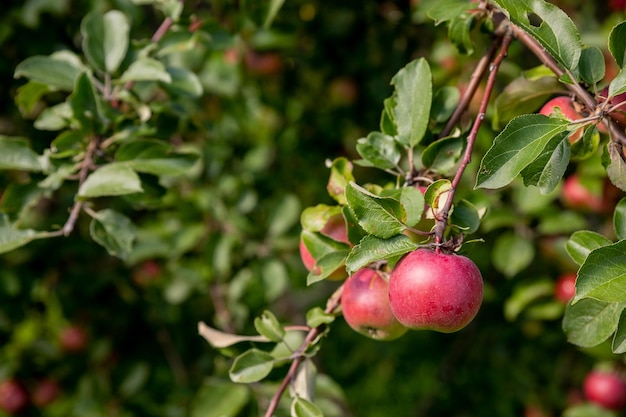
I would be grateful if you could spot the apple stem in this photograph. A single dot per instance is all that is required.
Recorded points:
(332, 305)
(442, 217)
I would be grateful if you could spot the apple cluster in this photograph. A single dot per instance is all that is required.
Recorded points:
(425, 290)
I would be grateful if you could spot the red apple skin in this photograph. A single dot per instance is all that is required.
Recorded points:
(365, 305)
(567, 108)
(565, 287)
(73, 339)
(335, 228)
(576, 196)
(606, 389)
(263, 63)
(45, 392)
(13, 396)
(435, 291)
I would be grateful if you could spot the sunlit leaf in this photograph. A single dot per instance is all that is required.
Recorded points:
(111, 180)
(590, 322)
(49, 71)
(16, 153)
(267, 325)
(603, 274)
(105, 39)
(582, 242)
(372, 249)
(381, 216)
(251, 366)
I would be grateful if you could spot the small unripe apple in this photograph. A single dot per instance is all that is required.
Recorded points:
(13, 396)
(435, 291)
(605, 388)
(576, 196)
(73, 339)
(365, 306)
(45, 392)
(566, 106)
(565, 287)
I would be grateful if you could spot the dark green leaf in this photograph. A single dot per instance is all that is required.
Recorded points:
(110, 180)
(379, 150)
(413, 97)
(442, 155)
(184, 82)
(590, 322)
(87, 106)
(459, 32)
(57, 73)
(11, 237)
(251, 366)
(105, 39)
(445, 10)
(617, 43)
(16, 153)
(582, 242)
(512, 253)
(619, 340)
(556, 32)
(517, 146)
(465, 216)
(619, 219)
(217, 398)
(444, 103)
(618, 84)
(381, 216)
(267, 325)
(114, 231)
(603, 274)
(546, 171)
(372, 249)
(591, 65)
(613, 160)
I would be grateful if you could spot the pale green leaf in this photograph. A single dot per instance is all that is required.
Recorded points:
(603, 274)
(111, 180)
(590, 322)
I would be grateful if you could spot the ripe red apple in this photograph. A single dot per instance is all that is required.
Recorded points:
(365, 305)
(605, 388)
(576, 196)
(146, 273)
(334, 228)
(342, 91)
(435, 291)
(565, 287)
(566, 105)
(13, 396)
(73, 339)
(263, 63)
(45, 392)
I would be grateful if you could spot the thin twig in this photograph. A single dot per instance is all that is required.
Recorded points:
(162, 30)
(442, 217)
(331, 307)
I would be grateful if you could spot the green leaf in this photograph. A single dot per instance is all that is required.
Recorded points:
(301, 407)
(134, 380)
(546, 171)
(155, 157)
(442, 155)
(372, 249)
(55, 117)
(29, 96)
(556, 32)
(603, 274)
(381, 216)
(413, 97)
(619, 219)
(47, 70)
(613, 160)
(110, 180)
(586, 147)
(525, 294)
(146, 69)
(16, 153)
(619, 340)
(518, 145)
(379, 150)
(114, 231)
(340, 176)
(459, 32)
(387, 121)
(217, 398)
(267, 325)
(285, 216)
(617, 43)
(274, 7)
(444, 103)
(590, 322)
(582, 243)
(591, 65)
(512, 253)
(465, 216)
(86, 105)
(316, 217)
(251, 366)
(411, 198)
(105, 39)
(316, 317)
(587, 409)
(327, 265)
(445, 10)
(12, 238)
(184, 82)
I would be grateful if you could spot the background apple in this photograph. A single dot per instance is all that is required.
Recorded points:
(575, 195)
(566, 105)
(73, 338)
(365, 305)
(565, 287)
(605, 388)
(335, 228)
(45, 392)
(13, 396)
(435, 291)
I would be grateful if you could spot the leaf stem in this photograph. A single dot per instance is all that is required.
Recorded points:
(332, 305)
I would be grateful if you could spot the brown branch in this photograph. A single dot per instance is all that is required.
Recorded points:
(442, 217)
(331, 307)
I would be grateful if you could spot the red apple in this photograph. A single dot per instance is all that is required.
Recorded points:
(146, 273)
(335, 228)
(263, 63)
(605, 388)
(566, 105)
(565, 287)
(435, 291)
(365, 305)
(576, 196)
(45, 392)
(73, 339)
(13, 396)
